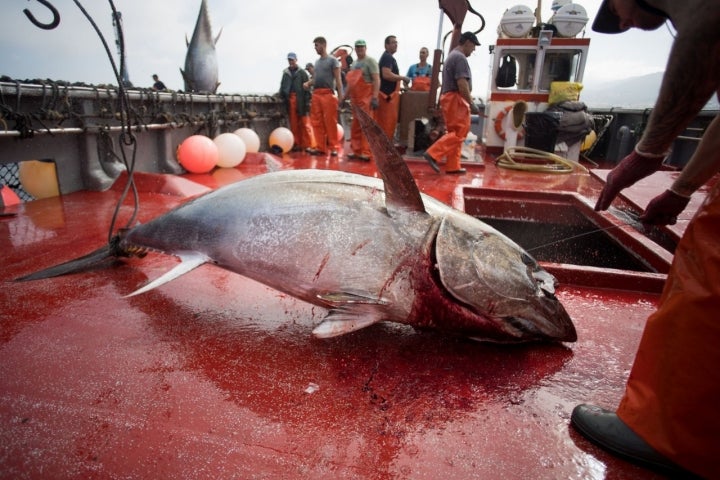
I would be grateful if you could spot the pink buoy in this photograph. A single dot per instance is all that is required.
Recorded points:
(197, 154)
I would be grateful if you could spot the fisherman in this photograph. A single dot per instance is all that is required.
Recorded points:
(667, 418)
(324, 105)
(158, 85)
(457, 104)
(420, 73)
(363, 88)
(390, 78)
(297, 101)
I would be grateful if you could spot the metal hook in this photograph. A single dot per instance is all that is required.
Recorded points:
(45, 26)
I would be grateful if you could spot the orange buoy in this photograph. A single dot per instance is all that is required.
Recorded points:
(39, 178)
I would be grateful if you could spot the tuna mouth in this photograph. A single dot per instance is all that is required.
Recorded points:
(563, 331)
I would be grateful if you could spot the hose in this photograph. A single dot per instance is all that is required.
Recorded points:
(512, 158)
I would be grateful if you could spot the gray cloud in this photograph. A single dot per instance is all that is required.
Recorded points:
(256, 36)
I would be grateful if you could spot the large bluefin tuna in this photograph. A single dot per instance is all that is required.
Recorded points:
(201, 65)
(367, 250)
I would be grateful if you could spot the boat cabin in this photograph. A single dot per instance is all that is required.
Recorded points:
(531, 62)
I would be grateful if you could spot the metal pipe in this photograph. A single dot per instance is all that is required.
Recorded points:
(439, 36)
(93, 93)
(96, 129)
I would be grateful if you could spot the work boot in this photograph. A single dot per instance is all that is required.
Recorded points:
(431, 161)
(605, 429)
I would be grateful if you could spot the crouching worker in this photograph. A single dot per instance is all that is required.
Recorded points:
(667, 418)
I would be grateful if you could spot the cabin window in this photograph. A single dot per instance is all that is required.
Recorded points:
(523, 66)
(560, 66)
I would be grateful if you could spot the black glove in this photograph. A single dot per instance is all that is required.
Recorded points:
(664, 209)
(632, 168)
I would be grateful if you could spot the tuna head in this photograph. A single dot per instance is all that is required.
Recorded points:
(201, 67)
(500, 282)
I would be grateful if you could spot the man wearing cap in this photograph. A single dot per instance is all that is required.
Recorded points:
(297, 101)
(389, 103)
(363, 88)
(457, 104)
(668, 417)
(324, 106)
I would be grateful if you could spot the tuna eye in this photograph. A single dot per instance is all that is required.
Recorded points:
(527, 259)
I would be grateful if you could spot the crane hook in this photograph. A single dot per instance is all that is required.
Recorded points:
(45, 26)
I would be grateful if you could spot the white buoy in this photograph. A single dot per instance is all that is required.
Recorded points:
(251, 139)
(231, 150)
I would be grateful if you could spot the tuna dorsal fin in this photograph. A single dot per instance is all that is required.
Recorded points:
(401, 191)
(188, 262)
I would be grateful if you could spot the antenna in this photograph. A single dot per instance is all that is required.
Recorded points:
(117, 24)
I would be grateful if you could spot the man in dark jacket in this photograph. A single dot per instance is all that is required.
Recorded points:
(297, 100)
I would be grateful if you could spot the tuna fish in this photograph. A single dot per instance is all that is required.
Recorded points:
(201, 65)
(366, 249)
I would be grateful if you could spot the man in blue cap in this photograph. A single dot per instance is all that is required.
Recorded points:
(297, 101)
(667, 418)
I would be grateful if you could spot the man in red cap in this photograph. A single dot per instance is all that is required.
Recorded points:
(457, 104)
(667, 418)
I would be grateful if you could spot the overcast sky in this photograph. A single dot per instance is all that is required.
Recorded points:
(257, 35)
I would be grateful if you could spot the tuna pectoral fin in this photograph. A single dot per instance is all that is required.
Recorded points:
(350, 312)
(345, 320)
(188, 262)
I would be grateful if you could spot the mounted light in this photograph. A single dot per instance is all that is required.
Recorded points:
(569, 20)
(545, 38)
(517, 21)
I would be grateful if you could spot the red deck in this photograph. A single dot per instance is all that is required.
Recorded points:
(216, 376)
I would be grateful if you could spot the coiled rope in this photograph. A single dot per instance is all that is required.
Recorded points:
(534, 160)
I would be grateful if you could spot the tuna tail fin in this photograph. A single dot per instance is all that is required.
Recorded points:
(99, 258)
(188, 261)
